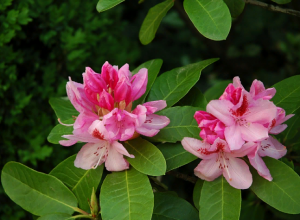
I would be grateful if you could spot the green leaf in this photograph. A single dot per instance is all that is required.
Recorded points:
(153, 67)
(104, 5)
(63, 108)
(282, 192)
(211, 18)
(182, 124)
(252, 211)
(194, 98)
(80, 181)
(168, 207)
(175, 84)
(197, 192)
(38, 193)
(152, 21)
(236, 7)
(148, 159)
(55, 216)
(288, 94)
(291, 131)
(217, 90)
(175, 155)
(282, 1)
(126, 195)
(220, 201)
(55, 135)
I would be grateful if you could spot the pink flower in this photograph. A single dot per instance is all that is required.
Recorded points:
(269, 147)
(101, 148)
(258, 91)
(211, 127)
(218, 159)
(244, 121)
(147, 123)
(276, 126)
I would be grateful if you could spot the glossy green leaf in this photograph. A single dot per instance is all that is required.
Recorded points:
(236, 7)
(63, 108)
(55, 135)
(38, 193)
(175, 155)
(217, 90)
(171, 207)
(282, 192)
(197, 192)
(175, 84)
(288, 94)
(182, 124)
(211, 18)
(104, 5)
(282, 1)
(152, 21)
(220, 201)
(148, 159)
(56, 216)
(126, 195)
(80, 181)
(194, 98)
(153, 67)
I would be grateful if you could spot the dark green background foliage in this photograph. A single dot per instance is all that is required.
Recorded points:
(42, 42)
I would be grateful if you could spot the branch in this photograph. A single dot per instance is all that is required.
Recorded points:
(182, 176)
(273, 8)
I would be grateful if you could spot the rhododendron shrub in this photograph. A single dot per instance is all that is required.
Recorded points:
(130, 127)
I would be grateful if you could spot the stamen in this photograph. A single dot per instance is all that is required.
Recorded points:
(70, 125)
(226, 167)
(104, 150)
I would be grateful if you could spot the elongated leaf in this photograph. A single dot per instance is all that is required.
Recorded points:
(153, 67)
(104, 5)
(288, 94)
(287, 136)
(148, 159)
(152, 21)
(182, 124)
(55, 135)
(236, 7)
(80, 181)
(175, 155)
(56, 216)
(36, 192)
(282, 1)
(197, 192)
(211, 18)
(63, 108)
(175, 84)
(126, 195)
(282, 192)
(194, 98)
(217, 90)
(220, 201)
(169, 206)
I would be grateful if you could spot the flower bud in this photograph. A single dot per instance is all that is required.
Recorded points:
(94, 204)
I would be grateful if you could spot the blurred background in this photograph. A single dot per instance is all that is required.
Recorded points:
(42, 42)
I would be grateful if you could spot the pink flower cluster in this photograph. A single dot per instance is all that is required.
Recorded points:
(238, 124)
(104, 102)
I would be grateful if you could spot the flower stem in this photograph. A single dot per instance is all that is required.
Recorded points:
(182, 176)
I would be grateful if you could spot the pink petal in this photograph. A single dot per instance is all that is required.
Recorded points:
(246, 149)
(262, 112)
(253, 132)
(139, 83)
(121, 149)
(156, 121)
(198, 148)
(110, 75)
(140, 111)
(83, 138)
(259, 165)
(233, 137)
(237, 173)
(106, 100)
(124, 72)
(123, 91)
(272, 148)
(93, 80)
(146, 131)
(89, 155)
(280, 121)
(208, 169)
(98, 130)
(221, 110)
(237, 82)
(156, 105)
(278, 129)
(67, 143)
(115, 161)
